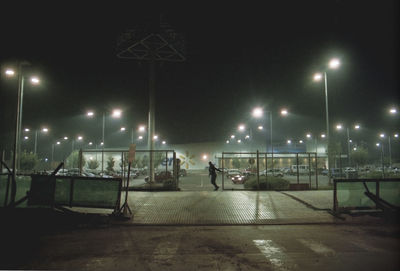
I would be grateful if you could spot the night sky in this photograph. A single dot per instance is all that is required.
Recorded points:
(238, 57)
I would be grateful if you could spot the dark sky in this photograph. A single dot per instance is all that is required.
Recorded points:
(238, 57)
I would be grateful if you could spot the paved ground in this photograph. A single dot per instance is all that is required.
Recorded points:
(202, 230)
(222, 208)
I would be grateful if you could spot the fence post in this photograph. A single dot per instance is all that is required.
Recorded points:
(80, 162)
(309, 168)
(223, 170)
(175, 167)
(297, 166)
(258, 170)
(334, 196)
(316, 170)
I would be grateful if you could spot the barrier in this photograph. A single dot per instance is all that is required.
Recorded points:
(75, 191)
(353, 194)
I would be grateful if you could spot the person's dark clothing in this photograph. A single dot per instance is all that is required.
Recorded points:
(213, 175)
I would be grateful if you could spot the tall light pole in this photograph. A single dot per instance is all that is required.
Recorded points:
(44, 130)
(333, 64)
(116, 113)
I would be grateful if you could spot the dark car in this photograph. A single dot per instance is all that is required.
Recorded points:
(239, 179)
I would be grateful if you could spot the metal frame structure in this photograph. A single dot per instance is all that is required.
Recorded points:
(266, 155)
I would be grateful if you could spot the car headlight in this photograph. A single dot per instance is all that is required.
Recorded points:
(239, 179)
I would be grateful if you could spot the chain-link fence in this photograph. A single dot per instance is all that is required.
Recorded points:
(114, 163)
(260, 171)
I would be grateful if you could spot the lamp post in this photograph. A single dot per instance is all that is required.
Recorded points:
(44, 130)
(340, 127)
(333, 64)
(258, 113)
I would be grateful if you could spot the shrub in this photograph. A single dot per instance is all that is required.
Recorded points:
(273, 183)
(169, 184)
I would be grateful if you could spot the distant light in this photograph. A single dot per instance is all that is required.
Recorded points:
(26, 130)
(10, 72)
(334, 63)
(80, 137)
(289, 141)
(339, 126)
(241, 127)
(396, 135)
(45, 130)
(317, 76)
(90, 114)
(257, 112)
(155, 137)
(205, 157)
(247, 137)
(101, 143)
(357, 126)
(382, 135)
(26, 137)
(323, 135)
(284, 112)
(65, 137)
(90, 158)
(142, 128)
(232, 136)
(164, 142)
(393, 110)
(123, 129)
(301, 141)
(90, 143)
(350, 140)
(260, 127)
(45, 159)
(116, 113)
(227, 142)
(239, 141)
(140, 137)
(354, 149)
(308, 135)
(35, 80)
(377, 144)
(58, 142)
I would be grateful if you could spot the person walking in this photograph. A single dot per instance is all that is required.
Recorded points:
(213, 174)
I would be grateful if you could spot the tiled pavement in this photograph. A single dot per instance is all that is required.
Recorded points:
(222, 208)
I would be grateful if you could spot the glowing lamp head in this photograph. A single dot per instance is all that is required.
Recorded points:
(318, 77)
(257, 112)
(35, 80)
(116, 113)
(9, 72)
(334, 63)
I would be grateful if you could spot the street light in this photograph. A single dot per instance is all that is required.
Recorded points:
(43, 130)
(18, 118)
(340, 127)
(333, 64)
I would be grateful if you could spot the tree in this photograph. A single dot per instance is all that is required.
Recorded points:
(93, 164)
(73, 160)
(359, 157)
(28, 161)
(110, 164)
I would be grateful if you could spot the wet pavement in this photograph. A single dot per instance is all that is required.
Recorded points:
(202, 230)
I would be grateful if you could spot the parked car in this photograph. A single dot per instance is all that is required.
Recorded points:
(239, 179)
(276, 172)
(335, 173)
(249, 172)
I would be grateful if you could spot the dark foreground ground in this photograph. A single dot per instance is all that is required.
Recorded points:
(45, 239)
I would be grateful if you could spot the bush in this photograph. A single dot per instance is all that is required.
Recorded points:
(273, 183)
(169, 184)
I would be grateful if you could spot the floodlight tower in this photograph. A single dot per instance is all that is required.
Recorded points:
(151, 43)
